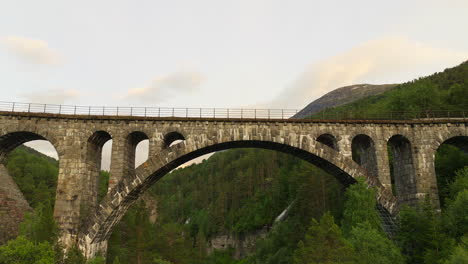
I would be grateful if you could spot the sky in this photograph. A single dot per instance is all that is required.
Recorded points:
(217, 53)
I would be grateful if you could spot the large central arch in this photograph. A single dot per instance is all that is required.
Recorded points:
(118, 200)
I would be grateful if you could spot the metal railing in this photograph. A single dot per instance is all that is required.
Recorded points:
(229, 113)
(223, 113)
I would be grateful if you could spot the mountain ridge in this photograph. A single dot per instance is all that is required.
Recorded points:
(342, 96)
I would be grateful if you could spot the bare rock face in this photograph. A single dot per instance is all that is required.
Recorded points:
(343, 95)
(13, 205)
(243, 245)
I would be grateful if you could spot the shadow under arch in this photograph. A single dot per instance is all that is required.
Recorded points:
(119, 199)
(460, 142)
(402, 171)
(172, 138)
(364, 153)
(329, 140)
(132, 141)
(94, 147)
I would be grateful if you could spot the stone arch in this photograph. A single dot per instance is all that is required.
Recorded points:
(94, 146)
(128, 190)
(329, 140)
(402, 170)
(364, 153)
(455, 136)
(172, 137)
(133, 139)
(12, 139)
(460, 142)
(14, 203)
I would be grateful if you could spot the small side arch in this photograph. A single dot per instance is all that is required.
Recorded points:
(94, 147)
(135, 140)
(329, 140)
(364, 153)
(402, 171)
(172, 138)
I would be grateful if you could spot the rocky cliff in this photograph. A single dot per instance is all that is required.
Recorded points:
(13, 206)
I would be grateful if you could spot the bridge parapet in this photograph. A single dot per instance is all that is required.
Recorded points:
(224, 113)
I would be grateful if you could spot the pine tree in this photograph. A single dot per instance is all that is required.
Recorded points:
(460, 253)
(39, 226)
(324, 243)
(360, 207)
(374, 247)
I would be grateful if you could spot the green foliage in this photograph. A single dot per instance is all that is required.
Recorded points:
(158, 260)
(374, 247)
(39, 225)
(97, 260)
(460, 253)
(360, 207)
(448, 160)
(234, 192)
(103, 184)
(421, 236)
(460, 183)
(133, 239)
(23, 251)
(35, 174)
(456, 215)
(221, 257)
(74, 256)
(324, 243)
(117, 260)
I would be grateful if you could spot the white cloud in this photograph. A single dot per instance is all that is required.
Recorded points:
(386, 60)
(31, 50)
(52, 96)
(167, 86)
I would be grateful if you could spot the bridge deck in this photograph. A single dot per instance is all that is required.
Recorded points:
(233, 119)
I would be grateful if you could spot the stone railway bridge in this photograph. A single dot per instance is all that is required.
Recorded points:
(344, 148)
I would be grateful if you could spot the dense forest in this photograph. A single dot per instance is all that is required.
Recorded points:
(296, 212)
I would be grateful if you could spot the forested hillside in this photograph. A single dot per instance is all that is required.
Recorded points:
(443, 91)
(235, 193)
(35, 174)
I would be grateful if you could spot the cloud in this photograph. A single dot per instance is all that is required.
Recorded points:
(164, 87)
(52, 96)
(31, 50)
(386, 60)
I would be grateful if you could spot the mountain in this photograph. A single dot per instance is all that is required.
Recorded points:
(343, 95)
(445, 91)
